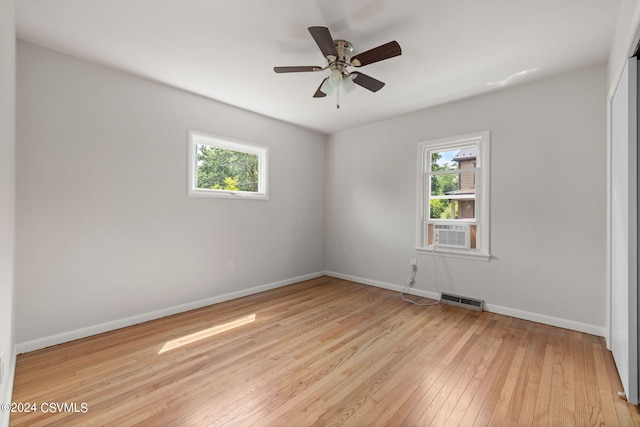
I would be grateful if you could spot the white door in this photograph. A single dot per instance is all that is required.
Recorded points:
(624, 226)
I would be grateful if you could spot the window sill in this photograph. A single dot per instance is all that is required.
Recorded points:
(228, 194)
(454, 253)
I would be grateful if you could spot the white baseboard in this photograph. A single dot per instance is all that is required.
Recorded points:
(39, 343)
(492, 308)
(391, 287)
(547, 320)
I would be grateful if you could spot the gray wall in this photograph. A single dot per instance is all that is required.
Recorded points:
(7, 194)
(105, 230)
(624, 41)
(548, 201)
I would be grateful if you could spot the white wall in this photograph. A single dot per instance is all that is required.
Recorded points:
(105, 230)
(548, 187)
(7, 195)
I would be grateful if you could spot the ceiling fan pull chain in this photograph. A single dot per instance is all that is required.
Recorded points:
(338, 99)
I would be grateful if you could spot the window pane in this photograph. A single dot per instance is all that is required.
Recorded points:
(444, 184)
(438, 208)
(458, 158)
(457, 185)
(452, 195)
(443, 160)
(463, 209)
(222, 169)
(452, 209)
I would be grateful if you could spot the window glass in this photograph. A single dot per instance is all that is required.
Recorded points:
(221, 167)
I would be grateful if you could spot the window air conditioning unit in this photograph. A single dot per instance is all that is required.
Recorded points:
(451, 235)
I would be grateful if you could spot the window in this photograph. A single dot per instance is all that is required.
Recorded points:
(453, 195)
(220, 167)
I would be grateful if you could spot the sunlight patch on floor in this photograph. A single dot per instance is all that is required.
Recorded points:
(206, 333)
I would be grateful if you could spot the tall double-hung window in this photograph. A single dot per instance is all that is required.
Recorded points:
(453, 195)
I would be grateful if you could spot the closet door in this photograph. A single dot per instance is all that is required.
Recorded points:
(624, 226)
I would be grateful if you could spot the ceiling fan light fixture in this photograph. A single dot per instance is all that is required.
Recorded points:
(335, 78)
(327, 87)
(348, 85)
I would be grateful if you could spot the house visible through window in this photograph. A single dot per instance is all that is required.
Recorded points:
(453, 200)
(220, 167)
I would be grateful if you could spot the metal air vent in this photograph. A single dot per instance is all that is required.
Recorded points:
(471, 303)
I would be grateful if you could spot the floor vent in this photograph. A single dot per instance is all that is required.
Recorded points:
(473, 304)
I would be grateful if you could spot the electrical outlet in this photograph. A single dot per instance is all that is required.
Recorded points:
(230, 266)
(412, 262)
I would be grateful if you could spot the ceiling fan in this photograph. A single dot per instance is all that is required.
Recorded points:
(338, 54)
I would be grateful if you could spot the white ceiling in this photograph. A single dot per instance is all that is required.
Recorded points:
(226, 49)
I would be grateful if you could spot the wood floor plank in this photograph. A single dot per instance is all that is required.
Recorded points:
(508, 388)
(606, 394)
(481, 407)
(625, 412)
(492, 346)
(518, 403)
(327, 352)
(543, 400)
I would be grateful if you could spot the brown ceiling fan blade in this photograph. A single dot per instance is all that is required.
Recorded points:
(319, 93)
(380, 53)
(296, 69)
(323, 39)
(367, 82)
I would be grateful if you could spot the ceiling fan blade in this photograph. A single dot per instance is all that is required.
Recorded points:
(367, 82)
(319, 93)
(325, 42)
(296, 69)
(380, 53)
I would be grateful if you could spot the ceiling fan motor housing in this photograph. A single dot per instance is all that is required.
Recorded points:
(345, 50)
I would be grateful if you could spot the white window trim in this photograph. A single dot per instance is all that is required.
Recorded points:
(483, 138)
(197, 137)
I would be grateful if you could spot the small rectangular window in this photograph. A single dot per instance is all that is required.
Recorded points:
(221, 167)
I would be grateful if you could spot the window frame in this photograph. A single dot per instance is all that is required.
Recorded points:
(196, 138)
(482, 175)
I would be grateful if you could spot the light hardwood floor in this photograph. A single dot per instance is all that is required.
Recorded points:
(327, 352)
